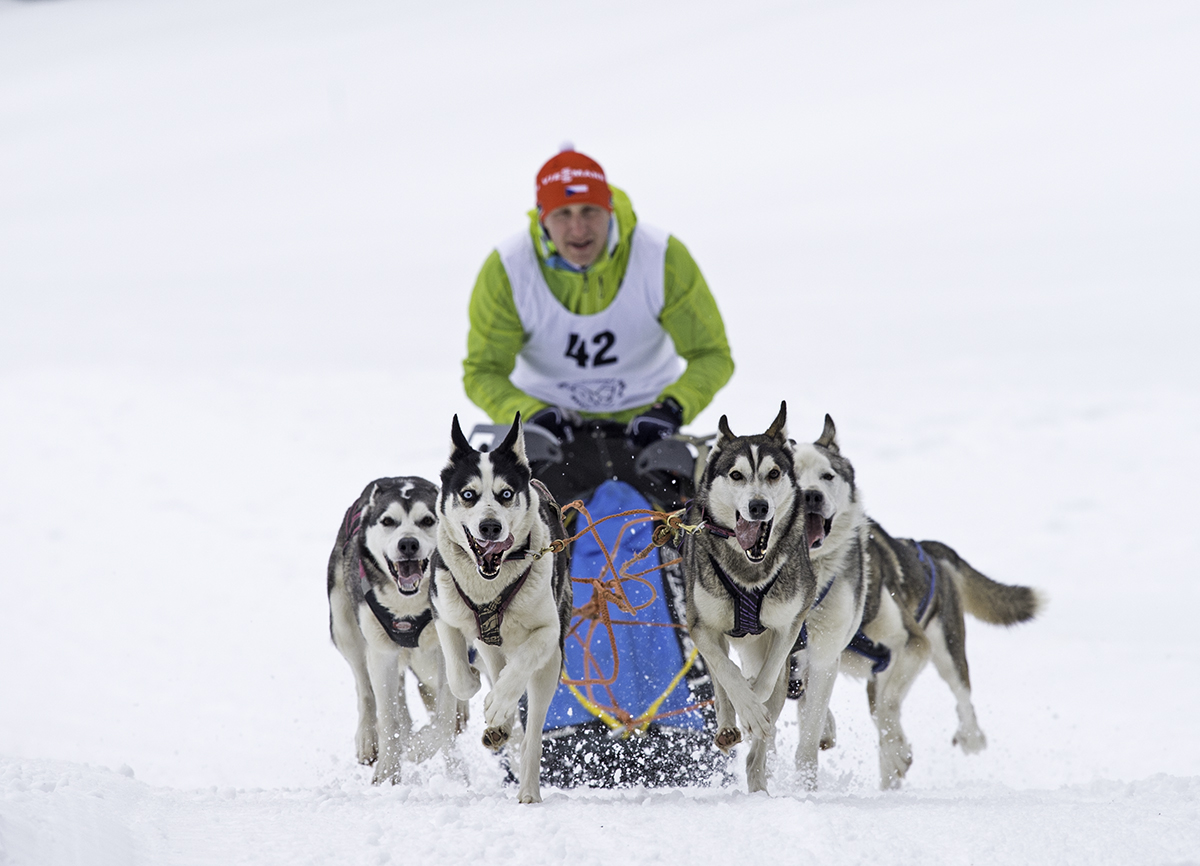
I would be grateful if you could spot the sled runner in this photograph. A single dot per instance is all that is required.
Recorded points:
(632, 706)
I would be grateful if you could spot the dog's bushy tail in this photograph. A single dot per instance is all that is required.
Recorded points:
(982, 597)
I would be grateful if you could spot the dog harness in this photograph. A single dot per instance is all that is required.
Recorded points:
(747, 603)
(489, 616)
(878, 654)
(927, 561)
(404, 631)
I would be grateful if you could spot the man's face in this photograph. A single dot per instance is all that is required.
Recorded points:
(579, 232)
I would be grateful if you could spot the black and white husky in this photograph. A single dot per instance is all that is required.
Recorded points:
(884, 607)
(749, 582)
(379, 618)
(490, 591)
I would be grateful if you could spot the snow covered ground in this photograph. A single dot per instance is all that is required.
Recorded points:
(236, 243)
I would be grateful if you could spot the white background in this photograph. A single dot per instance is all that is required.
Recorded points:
(237, 241)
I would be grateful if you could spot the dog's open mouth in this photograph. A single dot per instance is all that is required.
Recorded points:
(753, 535)
(407, 574)
(816, 528)
(488, 554)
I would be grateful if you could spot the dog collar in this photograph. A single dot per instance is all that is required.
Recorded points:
(715, 528)
(489, 616)
(747, 603)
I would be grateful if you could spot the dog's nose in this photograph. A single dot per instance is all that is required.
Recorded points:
(490, 529)
(814, 500)
(409, 547)
(758, 509)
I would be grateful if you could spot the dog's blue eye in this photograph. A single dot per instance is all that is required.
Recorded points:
(735, 475)
(506, 495)
(467, 495)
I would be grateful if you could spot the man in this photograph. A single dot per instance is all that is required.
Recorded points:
(591, 314)
(602, 332)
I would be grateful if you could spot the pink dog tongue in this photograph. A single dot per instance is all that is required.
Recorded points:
(492, 548)
(747, 532)
(814, 525)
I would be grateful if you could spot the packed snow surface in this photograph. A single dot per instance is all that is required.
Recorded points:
(237, 239)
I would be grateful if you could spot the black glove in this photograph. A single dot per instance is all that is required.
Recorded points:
(658, 422)
(559, 422)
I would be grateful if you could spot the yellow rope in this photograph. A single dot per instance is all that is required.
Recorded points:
(643, 721)
(652, 710)
(592, 708)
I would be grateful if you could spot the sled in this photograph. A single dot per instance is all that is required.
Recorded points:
(632, 707)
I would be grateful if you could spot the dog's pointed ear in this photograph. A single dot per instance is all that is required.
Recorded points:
(514, 440)
(723, 427)
(778, 428)
(829, 436)
(458, 440)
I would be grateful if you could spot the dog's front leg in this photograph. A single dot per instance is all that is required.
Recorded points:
(774, 662)
(813, 712)
(392, 719)
(729, 677)
(756, 758)
(500, 705)
(463, 679)
(541, 691)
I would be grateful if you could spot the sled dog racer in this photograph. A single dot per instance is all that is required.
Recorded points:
(590, 314)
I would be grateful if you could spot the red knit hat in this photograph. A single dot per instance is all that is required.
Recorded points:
(571, 178)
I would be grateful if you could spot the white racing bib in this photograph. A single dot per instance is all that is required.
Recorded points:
(616, 359)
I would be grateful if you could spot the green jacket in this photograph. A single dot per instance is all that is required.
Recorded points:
(689, 315)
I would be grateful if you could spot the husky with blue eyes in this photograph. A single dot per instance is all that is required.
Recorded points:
(493, 591)
(379, 617)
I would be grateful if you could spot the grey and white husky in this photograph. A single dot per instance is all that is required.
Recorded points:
(749, 582)
(379, 616)
(492, 590)
(884, 607)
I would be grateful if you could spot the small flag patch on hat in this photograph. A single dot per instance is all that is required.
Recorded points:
(572, 178)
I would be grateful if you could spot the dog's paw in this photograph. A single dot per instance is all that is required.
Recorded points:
(532, 794)
(970, 741)
(386, 773)
(464, 683)
(829, 734)
(495, 738)
(366, 749)
(755, 721)
(727, 738)
(499, 707)
(895, 757)
(806, 775)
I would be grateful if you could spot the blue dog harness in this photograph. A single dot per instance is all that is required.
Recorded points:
(925, 602)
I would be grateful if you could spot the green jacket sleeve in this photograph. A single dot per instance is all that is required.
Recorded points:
(691, 317)
(493, 342)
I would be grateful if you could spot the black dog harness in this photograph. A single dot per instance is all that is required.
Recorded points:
(404, 631)
(489, 616)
